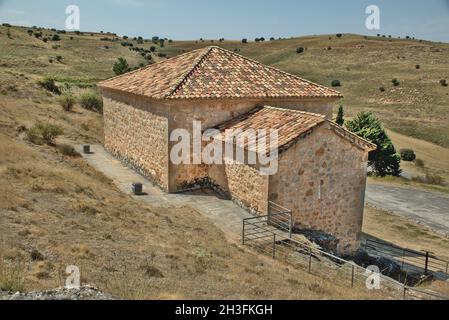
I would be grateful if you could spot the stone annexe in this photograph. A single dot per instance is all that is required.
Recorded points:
(322, 167)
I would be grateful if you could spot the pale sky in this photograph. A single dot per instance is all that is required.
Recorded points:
(236, 19)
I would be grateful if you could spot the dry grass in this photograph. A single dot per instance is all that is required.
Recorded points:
(403, 232)
(57, 211)
(69, 214)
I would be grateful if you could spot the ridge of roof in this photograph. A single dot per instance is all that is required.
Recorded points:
(184, 78)
(213, 72)
(147, 67)
(275, 69)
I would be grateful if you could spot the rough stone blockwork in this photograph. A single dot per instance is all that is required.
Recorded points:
(139, 138)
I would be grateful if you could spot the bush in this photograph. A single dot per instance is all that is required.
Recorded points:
(68, 150)
(300, 50)
(55, 38)
(395, 82)
(91, 101)
(407, 155)
(443, 82)
(382, 89)
(245, 40)
(340, 116)
(49, 84)
(339, 35)
(67, 102)
(121, 66)
(336, 83)
(41, 133)
(418, 66)
(384, 160)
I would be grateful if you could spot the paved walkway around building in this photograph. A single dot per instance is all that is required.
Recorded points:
(225, 214)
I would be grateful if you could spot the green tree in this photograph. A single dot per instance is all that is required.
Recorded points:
(340, 116)
(121, 66)
(385, 160)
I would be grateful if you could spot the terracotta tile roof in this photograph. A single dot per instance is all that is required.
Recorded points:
(215, 73)
(291, 125)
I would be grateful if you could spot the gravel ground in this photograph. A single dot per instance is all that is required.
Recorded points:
(83, 293)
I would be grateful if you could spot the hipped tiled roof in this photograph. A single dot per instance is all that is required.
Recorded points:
(290, 125)
(215, 73)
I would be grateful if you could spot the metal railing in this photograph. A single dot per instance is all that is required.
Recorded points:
(271, 235)
(420, 262)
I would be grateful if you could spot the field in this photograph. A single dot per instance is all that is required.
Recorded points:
(56, 211)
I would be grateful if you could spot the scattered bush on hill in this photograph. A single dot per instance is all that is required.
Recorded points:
(407, 155)
(49, 84)
(67, 101)
(121, 66)
(336, 83)
(91, 101)
(41, 133)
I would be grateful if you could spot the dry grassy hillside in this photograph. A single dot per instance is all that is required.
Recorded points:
(56, 211)
(417, 107)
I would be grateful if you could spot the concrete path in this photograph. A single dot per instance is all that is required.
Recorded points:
(225, 214)
(427, 208)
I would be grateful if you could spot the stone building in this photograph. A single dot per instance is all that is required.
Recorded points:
(322, 167)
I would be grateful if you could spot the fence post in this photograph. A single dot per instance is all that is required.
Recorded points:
(426, 269)
(352, 277)
(243, 233)
(310, 260)
(291, 224)
(274, 246)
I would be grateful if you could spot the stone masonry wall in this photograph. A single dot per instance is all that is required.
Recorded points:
(247, 187)
(214, 112)
(138, 136)
(322, 178)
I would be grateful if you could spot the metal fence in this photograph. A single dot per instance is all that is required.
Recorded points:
(420, 262)
(271, 235)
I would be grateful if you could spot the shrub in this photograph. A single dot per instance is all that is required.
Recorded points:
(340, 116)
(59, 58)
(68, 150)
(121, 66)
(336, 83)
(382, 89)
(41, 133)
(339, 35)
(12, 275)
(329, 48)
(91, 101)
(30, 32)
(407, 155)
(395, 82)
(67, 102)
(49, 84)
(244, 40)
(384, 160)
(443, 82)
(55, 38)
(418, 66)
(300, 50)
